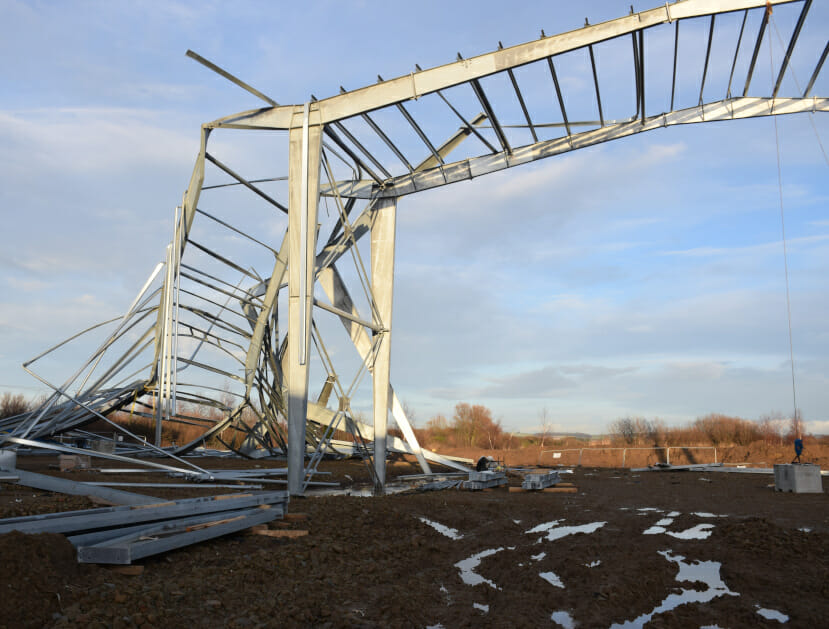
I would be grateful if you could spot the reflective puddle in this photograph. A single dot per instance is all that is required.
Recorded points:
(442, 529)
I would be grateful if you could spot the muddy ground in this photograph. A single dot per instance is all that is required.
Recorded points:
(372, 562)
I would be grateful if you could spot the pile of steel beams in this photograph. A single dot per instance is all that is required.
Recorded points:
(534, 482)
(485, 480)
(120, 535)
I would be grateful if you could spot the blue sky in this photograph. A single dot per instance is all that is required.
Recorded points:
(641, 277)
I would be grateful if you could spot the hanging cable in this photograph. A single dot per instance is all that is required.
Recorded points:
(785, 254)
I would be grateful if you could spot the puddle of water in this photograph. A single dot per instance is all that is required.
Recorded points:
(594, 564)
(467, 568)
(665, 522)
(772, 614)
(705, 514)
(673, 514)
(646, 510)
(805, 529)
(517, 521)
(551, 578)
(706, 572)
(482, 607)
(555, 532)
(563, 619)
(442, 529)
(538, 557)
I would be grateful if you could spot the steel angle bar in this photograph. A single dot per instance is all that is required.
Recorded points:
(642, 73)
(91, 519)
(757, 43)
(223, 307)
(340, 126)
(676, 54)
(558, 93)
(239, 183)
(790, 49)
(238, 231)
(216, 370)
(816, 72)
(245, 182)
(466, 123)
(736, 54)
(74, 488)
(707, 58)
(420, 133)
(235, 287)
(231, 78)
(243, 298)
(595, 83)
(224, 260)
(216, 320)
(347, 315)
(447, 147)
(520, 96)
(386, 140)
(490, 114)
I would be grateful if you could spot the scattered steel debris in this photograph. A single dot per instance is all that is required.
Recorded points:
(215, 310)
(120, 535)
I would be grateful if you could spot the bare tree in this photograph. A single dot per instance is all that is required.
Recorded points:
(11, 405)
(546, 423)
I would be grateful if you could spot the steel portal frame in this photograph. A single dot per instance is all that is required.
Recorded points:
(344, 149)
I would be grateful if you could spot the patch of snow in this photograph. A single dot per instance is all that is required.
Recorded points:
(707, 480)
(665, 522)
(552, 579)
(468, 565)
(705, 514)
(805, 529)
(593, 564)
(673, 514)
(517, 521)
(442, 529)
(563, 619)
(482, 607)
(706, 572)
(772, 614)
(538, 557)
(700, 531)
(645, 510)
(555, 532)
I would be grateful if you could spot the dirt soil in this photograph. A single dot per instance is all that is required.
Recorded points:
(374, 562)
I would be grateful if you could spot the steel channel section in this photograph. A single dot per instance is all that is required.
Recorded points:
(383, 228)
(303, 183)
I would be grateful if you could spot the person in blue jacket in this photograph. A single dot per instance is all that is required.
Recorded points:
(798, 450)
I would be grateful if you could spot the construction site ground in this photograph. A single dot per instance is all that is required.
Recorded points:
(503, 559)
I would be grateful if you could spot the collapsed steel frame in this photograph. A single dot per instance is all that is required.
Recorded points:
(206, 312)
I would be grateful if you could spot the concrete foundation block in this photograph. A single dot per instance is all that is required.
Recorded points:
(800, 478)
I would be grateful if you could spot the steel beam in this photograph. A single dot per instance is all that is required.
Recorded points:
(729, 109)
(417, 84)
(303, 183)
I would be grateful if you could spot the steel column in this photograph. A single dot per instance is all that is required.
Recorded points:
(303, 197)
(382, 287)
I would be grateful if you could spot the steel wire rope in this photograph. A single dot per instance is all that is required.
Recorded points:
(785, 249)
